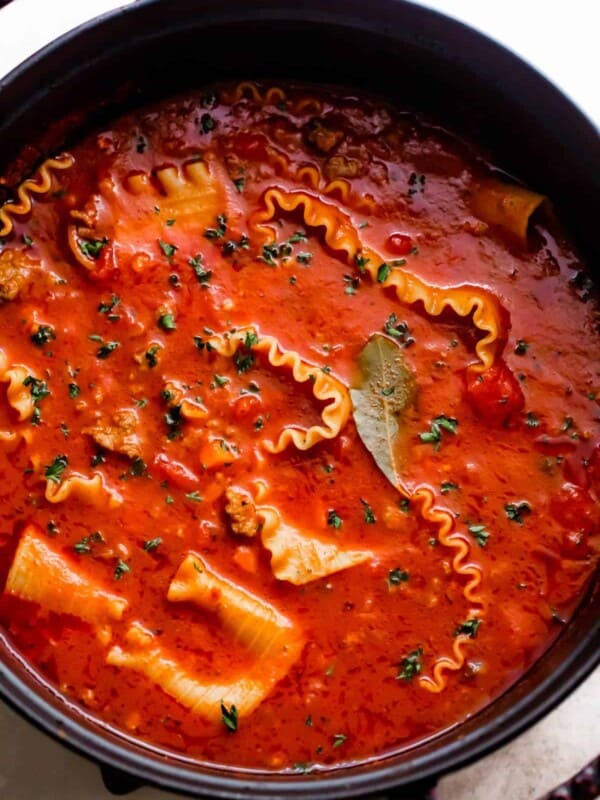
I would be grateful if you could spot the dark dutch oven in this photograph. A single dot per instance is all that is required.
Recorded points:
(412, 56)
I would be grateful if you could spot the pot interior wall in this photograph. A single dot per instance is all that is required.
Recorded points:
(414, 58)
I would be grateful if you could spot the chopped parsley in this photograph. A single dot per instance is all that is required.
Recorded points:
(195, 497)
(108, 307)
(410, 665)
(479, 532)
(448, 486)
(152, 544)
(218, 232)
(334, 519)
(168, 250)
(207, 123)
(53, 471)
(339, 739)
(516, 511)
(37, 388)
(121, 569)
(521, 347)
(468, 628)
(404, 505)
(202, 275)
(173, 422)
(91, 248)
(221, 380)
(27, 241)
(150, 355)
(532, 421)
(304, 258)
(397, 576)
(439, 425)
(229, 717)
(361, 261)
(298, 236)
(239, 184)
(243, 360)
(368, 513)
(85, 545)
(352, 284)
(398, 330)
(167, 322)
(43, 335)
(106, 349)
(383, 272)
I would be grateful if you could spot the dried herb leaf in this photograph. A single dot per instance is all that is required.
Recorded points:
(385, 388)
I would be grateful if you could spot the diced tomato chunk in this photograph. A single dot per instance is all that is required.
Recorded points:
(495, 394)
(400, 244)
(175, 472)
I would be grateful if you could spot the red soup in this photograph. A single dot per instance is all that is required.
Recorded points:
(298, 427)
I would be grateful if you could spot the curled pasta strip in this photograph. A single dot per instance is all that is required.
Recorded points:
(461, 546)
(437, 683)
(298, 557)
(324, 387)
(310, 176)
(342, 236)
(91, 490)
(18, 395)
(249, 90)
(40, 183)
(506, 205)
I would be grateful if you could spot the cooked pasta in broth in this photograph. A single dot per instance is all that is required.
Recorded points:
(298, 426)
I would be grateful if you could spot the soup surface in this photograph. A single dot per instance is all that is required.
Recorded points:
(298, 426)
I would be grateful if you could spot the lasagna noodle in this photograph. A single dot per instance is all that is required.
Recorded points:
(299, 558)
(144, 655)
(506, 205)
(17, 394)
(40, 183)
(251, 621)
(438, 680)
(324, 387)
(89, 490)
(342, 236)
(40, 574)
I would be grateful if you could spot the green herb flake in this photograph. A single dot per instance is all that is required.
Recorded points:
(168, 250)
(106, 349)
(521, 347)
(91, 248)
(43, 335)
(439, 425)
(361, 262)
(221, 380)
(27, 241)
(333, 519)
(53, 471)
(229, 717)
(383, 272)
(74, 390)
(339, 739)
(151, 544)
(468, 628)
(369, 516)
(532, 421)
(304, 258)
(218, 232)
(479, 532)
(239, 184)
(516, 511)
(151, 355)
(121, 569)
(398, 330)
(194, 497)
(207, 123)
(202, 275)
(108, 306)
(448, 486)
(397, 576)
(167, 322)
(410, 665)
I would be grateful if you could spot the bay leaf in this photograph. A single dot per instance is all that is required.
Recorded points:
(384, 388)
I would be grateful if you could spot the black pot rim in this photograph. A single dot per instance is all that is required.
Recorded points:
(49, 711)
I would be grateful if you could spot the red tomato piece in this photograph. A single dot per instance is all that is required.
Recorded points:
(495, 394)
(400, 244)
(175, 472)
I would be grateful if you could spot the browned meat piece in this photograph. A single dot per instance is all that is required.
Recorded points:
(120, 435)
(241, 512)
(14, 272)
(321, 137)
(341, 167)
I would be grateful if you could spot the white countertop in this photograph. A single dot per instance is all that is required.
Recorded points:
(561, 39)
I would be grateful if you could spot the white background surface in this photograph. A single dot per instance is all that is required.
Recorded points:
(561, 39)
